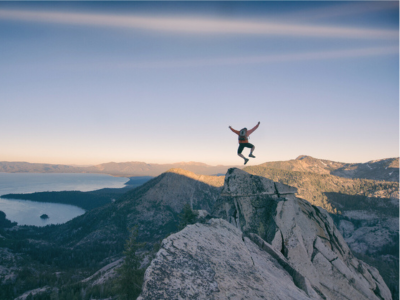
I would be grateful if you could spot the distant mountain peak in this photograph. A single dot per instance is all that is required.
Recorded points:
(191, 163)
(386, 169)
(182, 172)
(216, 181)
(300, 157)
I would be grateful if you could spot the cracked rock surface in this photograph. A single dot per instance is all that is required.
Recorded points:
(214, 261)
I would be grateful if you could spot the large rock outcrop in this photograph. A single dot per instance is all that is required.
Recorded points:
(214, 261)
(266, 244)
(303, 233)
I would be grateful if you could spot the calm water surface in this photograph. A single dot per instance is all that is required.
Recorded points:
(26, 212)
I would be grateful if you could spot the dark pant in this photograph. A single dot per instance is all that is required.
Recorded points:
(242, 146)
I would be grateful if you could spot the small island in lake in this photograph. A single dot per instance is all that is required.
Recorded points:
(44, 216)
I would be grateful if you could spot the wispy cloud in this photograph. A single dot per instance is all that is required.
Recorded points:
(340, 10)
(197, 25)
(241, 60)
(321, 55)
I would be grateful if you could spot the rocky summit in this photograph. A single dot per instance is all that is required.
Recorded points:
(263, 244)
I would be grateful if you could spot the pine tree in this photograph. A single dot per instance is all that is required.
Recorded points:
(130, 279)
(188, 216)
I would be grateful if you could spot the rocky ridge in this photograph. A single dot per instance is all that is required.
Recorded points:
(274, 231)
(154, 207)
(382, 169)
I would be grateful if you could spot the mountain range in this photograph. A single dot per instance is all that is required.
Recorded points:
(126, 169)
(383, 169)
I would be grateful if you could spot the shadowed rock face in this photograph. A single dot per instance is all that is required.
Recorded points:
(155, 206)
(249, 201)
(305, 234)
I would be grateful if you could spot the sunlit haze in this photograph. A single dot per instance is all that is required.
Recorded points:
(160, 82)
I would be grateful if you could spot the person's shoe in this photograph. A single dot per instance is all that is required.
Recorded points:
(246, 160)
(251, 155)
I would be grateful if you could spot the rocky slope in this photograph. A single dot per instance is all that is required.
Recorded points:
(366, 212)
(327, 191)
(289, 250)
(373, 236)
(305, 234)
(214, 261)
(154, 207)
(382, 169)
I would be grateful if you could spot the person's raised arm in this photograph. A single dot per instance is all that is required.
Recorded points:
(252, 130)
(235, 131)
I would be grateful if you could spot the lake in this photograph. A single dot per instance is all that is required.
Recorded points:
(26, 212)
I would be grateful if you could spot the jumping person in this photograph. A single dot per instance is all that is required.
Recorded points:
(244, 141)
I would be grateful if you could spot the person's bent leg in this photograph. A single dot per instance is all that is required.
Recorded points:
(245, 159)
(251, 152)
(240, 149)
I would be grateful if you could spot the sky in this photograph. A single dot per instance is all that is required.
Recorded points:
(160, 82)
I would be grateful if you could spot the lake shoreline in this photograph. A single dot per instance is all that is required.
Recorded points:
(85, 200)
(68, 194)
